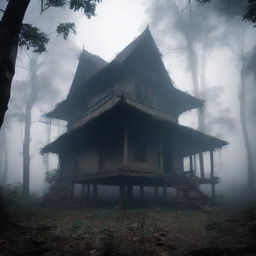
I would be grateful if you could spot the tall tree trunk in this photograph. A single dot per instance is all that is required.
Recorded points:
(193, 65)
(28, 111)
(243, 121)
(10, 26)
(192, 60)
(4, 151)
(4, 216)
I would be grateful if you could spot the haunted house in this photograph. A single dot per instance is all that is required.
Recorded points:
(123, 129)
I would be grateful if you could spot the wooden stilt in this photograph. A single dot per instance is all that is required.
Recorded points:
(88, 192)
(161, 155)
(129, 192)
(95, 192)
(191, 164)
(125, 149)
(122, 196)
(195, 165)
(142, 192)
(83, 188)
(156, 192)
(164, 192)
(201, 161)
(212, 176)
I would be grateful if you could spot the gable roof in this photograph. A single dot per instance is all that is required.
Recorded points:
(141, 51)
(145, 36)
(88, 65)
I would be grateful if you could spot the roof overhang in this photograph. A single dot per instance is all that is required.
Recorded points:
(195, 141)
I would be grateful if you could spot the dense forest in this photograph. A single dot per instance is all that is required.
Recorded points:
(141, 71)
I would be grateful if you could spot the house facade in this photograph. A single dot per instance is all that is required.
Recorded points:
(123, 129)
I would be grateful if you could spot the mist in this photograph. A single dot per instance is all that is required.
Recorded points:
(130, 127)
(218, 37)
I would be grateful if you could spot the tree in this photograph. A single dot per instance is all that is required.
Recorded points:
(13, 33)
(4, 153)
(243, 8)
(196, 38)
(34, 67)
(243, 59)
(246, 59)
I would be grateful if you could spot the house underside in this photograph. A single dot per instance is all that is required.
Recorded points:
(123, 142)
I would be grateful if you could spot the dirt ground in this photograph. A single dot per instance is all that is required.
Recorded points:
(42, 230)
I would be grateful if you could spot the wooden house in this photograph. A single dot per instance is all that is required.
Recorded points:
(122, 125)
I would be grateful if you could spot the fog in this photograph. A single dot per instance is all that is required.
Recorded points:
(219, 37)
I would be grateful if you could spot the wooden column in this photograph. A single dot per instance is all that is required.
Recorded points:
(141, 192)
(122, 196)
(129, 192)
(201, 161)
(191, 164)
(161, 155)
(212, 175)
(95, 192)
(195, 165)
(83, 188)
(125, 150)
(100, 155)
(164, 192)
(156, 192)
(88, 192)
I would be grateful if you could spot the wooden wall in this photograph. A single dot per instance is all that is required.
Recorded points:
(147, 151)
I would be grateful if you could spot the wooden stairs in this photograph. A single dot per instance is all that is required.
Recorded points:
(188, 187)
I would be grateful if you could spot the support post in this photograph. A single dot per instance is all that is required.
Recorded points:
(95, 192)
(164, 192)
(88, 192)
(212, 175)
(201, 161)
(122, 196)
(191, 164)
(156, 192)
(195, 165)
(142, 192)
(161, 155)
(129, 192)
(125, 150)
(82, 196)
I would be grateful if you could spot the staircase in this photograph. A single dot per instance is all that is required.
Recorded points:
(185, 185)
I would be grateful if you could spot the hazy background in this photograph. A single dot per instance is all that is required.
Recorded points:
(217, 33)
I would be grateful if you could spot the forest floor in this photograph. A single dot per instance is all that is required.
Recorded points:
(73, 230)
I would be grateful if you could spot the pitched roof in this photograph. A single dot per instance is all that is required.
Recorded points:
(145, 36)
(141, 51)
(88, 65)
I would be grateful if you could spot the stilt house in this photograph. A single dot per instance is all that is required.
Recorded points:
(122, 125)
